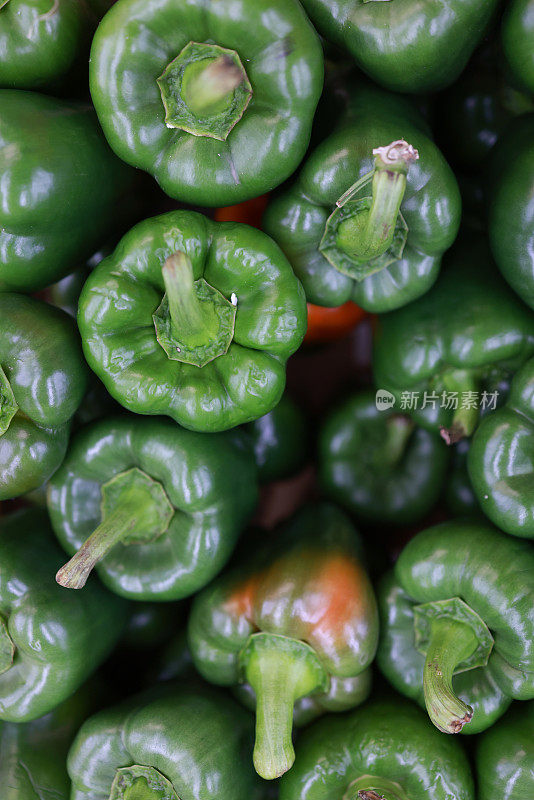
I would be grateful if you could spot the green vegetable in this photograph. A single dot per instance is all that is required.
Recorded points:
(517, 38)
(297, 619)
(505, 756)
(445, 357)
(457, 624)
(157, 509)
(43, 378)
(50, 640)
(279, 440)
(378, 464)
(386, 750)
(41, 41)
(501, 459)
(62, 190)
(378, 241)
(194, 319)
(187, 743)
(512, 207)
(215, 100)
(405, 45)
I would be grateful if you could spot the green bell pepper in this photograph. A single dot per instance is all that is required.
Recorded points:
(378, 464)
(501, 459)
(190, 743)
(42, 41)
(446, 358)
(505, 757)
(194, 319)
(43, 378)
(457, 624)
(60, 189)
(380, 241)
(386, 750)
(512, 207)
(279, 440)
(156, 508)
(216, 101)
(33, 754)
(517, 38)
(298, 618)
(405, 45)
(50, 640)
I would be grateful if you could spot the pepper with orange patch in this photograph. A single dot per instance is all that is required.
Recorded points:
(295, 630)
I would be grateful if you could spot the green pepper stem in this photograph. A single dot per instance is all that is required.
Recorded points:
(398, 431)
(370, 233)
(205, 91)
(372, 787)
(8, 404)
(451, 642)
(7, 648)
(141, 783)
(280, 670)
(121, 522)
(187, 319)
(140, 790)
(462, 383)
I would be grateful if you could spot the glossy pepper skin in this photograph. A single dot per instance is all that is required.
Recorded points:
(386, 749)
(163, 506)
(405, 46)
(60, 191)
(117, 320)
(517, 37)
(51, 640)
(511, 210)
(40, 42)
(299, 218)
(279, 441)
(139, 42)
(501, 459)
(43, 378)
(467, 336)
(457, 620)
(191, 743)
(33, 755)
(505, 755)
(378, 464)
(297, 620)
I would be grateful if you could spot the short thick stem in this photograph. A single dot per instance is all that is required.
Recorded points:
(210, 84)
(8, 404)
(398, 431)
(461, 384)
(373, 787)
(370, 233)
(117, 526)
(280, 670)
(141, 783)
(188, 322)
(451, 642)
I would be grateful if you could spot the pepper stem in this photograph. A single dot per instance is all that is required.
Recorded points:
(280, 670)
(187, 316)
(141, 783)
(7, 648)
(372, 787)
(451, 642)
(398, 430)
(461, 384)
(135, 508)
(8, 404)
(370, 233)
(209, 85)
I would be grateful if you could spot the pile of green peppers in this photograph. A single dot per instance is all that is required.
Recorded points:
(266, 400)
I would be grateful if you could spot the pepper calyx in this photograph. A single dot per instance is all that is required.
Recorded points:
(135, 509)
(205, 90)
(280, 670)
(141, 783)
(8, 404)
(373, 787)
